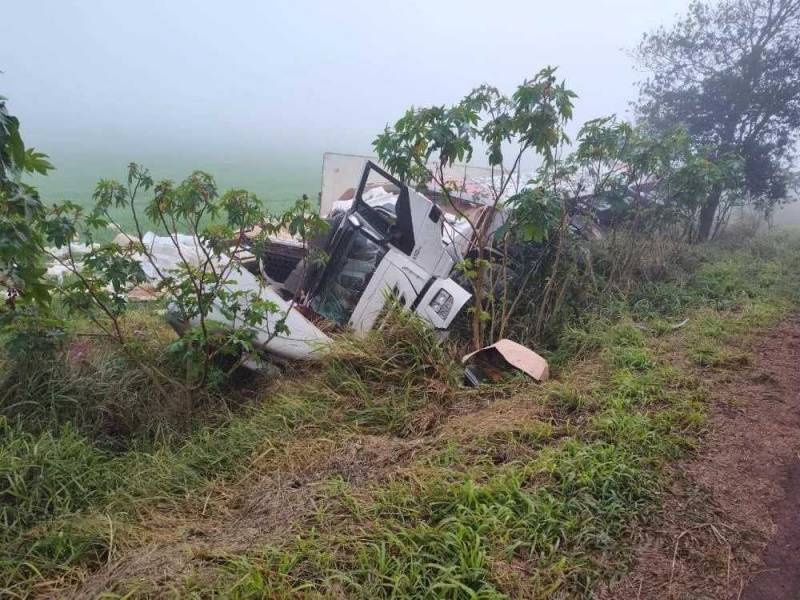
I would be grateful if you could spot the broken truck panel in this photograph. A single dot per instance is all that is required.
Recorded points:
(303, 341)
(469, 197)
(492, 363)
(406, 219)
(436, 300)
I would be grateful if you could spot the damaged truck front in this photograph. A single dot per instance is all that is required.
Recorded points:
(385, 240)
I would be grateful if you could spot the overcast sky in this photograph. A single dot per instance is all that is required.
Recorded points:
(297, 75)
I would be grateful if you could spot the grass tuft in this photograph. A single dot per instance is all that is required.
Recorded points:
(397, 379)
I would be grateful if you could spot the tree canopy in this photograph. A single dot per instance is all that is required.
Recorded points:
(730, 73)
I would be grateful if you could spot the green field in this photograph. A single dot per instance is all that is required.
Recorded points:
(278, 181)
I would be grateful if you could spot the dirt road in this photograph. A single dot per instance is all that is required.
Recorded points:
(731, 524)
(779, 574)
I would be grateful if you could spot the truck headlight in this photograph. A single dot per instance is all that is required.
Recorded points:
(442, 303)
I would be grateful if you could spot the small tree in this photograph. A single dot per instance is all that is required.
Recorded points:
(509, 130)
(730, 74)
(645, 180)
(621, 184)
(199, 282)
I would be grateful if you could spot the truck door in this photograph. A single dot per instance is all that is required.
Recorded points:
(398, 276)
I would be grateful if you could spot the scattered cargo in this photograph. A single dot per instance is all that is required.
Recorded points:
(493, 363)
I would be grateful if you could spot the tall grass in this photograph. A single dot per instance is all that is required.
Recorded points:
(61, 493)
(382, 380)
(542, 506)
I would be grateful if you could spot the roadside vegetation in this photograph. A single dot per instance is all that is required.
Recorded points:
(522, 490)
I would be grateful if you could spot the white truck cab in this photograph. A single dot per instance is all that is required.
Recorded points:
(388, 241)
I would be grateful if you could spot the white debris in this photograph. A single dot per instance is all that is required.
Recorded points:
(123, 240)
(303, 340)
(57, 271)
(75, 248)
(169, 254)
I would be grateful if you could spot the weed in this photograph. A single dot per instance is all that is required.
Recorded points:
(60, 495)
(710, 354)
(637, 359)
(89, 383)
(566, 398)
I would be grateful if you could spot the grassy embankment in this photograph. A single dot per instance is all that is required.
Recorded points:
(377, 475)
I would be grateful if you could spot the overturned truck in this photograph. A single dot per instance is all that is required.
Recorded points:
(385, 240)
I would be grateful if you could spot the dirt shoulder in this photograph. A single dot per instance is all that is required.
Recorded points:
(731, 524)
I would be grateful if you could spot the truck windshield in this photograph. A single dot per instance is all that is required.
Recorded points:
(352, 265)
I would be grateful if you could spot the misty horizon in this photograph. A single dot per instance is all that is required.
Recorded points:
(255, 95)
(296, 80)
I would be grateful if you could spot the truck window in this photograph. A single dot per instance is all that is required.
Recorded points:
(384, 203)
(347, 277)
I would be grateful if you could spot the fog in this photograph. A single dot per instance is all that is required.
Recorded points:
(263, 85)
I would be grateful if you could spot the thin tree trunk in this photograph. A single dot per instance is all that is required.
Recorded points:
(707, 213)
(477, 320)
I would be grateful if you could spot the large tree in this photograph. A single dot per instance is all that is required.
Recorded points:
(730, 73)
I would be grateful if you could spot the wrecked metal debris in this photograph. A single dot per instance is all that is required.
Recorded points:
(386, 240)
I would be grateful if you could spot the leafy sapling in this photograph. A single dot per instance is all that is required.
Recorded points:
(204, 232)
(426, 141)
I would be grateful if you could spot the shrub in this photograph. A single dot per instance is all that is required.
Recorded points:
(382, 378)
